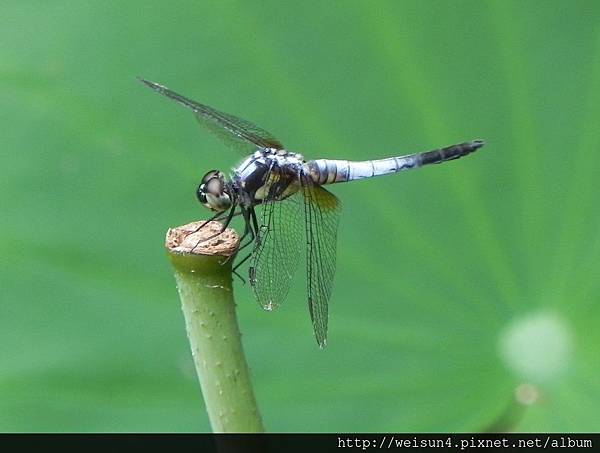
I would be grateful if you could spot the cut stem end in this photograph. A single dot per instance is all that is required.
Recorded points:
(202, 238)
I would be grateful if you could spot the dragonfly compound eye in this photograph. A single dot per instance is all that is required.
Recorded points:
(213, 193)
(201, 194)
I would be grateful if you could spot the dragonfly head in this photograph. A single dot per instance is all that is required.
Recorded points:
(214, 192)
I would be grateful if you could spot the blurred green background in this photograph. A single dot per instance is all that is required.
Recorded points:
(461, 288)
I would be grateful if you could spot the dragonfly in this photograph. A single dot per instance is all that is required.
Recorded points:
(286, 210)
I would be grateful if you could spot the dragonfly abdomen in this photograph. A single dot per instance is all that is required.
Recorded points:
(327, 171)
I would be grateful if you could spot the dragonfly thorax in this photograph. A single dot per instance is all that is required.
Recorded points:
(214, 192)
(268, 174)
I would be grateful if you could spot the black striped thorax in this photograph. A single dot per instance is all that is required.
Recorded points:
(268, 174)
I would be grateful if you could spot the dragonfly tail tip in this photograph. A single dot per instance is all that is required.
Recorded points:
(478, 143)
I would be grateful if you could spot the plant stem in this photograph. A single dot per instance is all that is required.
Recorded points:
(204, 282)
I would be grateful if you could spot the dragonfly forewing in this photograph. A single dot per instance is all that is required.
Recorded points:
(236, 132)
(277, 250)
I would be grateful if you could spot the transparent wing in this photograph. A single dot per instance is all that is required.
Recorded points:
(277, 249)
(322, 212)
(239, 133)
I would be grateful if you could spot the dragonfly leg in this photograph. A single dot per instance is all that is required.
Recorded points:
(244, 259)
(247, 231)
(256, 237)
(217, 216)
(251, 230)
(242, 247)
(225, 225)
(242, 279)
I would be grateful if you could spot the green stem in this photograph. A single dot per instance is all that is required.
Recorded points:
(204, 282)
